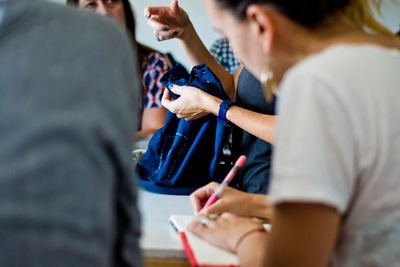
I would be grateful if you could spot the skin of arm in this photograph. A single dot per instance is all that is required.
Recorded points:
(176, 20)
(251, 250)
(252, 120)
(179, 26)
(197, 53)
(302, 235)
(257, 124)
(152, 120)
(195, 103)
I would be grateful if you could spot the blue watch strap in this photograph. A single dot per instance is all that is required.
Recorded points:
(223, 108)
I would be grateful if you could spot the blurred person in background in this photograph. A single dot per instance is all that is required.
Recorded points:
(68, 113)
(153, 64)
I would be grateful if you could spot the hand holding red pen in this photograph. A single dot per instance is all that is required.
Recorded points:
(214, 197)
(231, 197)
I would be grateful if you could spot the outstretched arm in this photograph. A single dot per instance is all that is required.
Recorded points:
(173, 22)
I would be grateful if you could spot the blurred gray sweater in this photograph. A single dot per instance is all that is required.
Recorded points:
(67, 118)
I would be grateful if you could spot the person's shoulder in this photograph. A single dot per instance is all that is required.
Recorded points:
(345, 57)
(315, 74)
(157, 59)
(343, 70)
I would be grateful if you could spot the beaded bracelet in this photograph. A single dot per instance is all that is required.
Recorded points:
(257, 230)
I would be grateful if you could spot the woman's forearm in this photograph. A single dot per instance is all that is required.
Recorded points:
(257, 124)
(260, 206)
(196, 53)
(251, 251)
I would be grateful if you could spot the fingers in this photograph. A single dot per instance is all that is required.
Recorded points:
(228, 202)
(166, 35)
(176, 89)
(196, 202)
(206, 226)
(167, 95)
(197, 227)
(156, 26)
(159, 10)
(174, 6)
(203, 225)
(159, 27)
(218, 207)
(228, 215)
(198, 198)
(166, 22)
(167, 99)
(201, 195)
(163, 30)
(169, 102)
(151, 11)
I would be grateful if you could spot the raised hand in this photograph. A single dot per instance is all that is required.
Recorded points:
(168, 22)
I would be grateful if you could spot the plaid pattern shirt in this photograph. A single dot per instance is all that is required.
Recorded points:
(221, 51)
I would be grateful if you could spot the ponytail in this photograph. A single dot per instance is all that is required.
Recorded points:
(360, 11)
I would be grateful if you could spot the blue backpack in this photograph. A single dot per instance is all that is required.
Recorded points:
(185, 155)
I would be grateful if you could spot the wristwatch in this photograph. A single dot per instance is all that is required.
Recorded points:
(223, 108)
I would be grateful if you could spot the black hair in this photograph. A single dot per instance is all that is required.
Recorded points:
(129, 18)
(305, 12)
(144, 51)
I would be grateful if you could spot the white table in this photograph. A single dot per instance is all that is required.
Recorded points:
(159, 239)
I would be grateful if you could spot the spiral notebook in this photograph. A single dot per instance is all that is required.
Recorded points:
(199, 252)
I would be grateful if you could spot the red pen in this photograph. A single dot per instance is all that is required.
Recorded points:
(214, 197)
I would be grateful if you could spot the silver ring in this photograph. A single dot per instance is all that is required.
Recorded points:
(213, 216)
(205, 222)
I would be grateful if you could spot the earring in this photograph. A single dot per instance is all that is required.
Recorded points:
(267, 82)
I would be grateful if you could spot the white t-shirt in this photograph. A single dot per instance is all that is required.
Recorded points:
(338, 143)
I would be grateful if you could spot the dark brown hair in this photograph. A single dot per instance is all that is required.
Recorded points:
(144, 51)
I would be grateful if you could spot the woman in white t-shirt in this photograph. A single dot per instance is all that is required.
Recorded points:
(336, 172)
